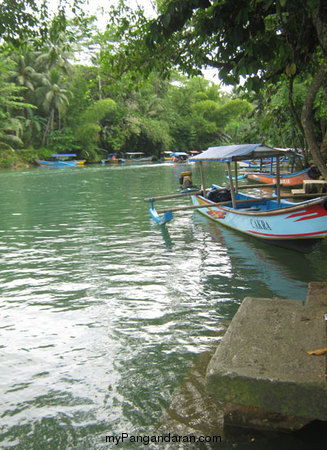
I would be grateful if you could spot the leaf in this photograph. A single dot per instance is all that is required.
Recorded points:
(319, 352)
(290, 69)
(166, 19)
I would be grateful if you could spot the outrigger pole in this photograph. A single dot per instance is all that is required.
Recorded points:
(202, 179)
(278, 179)
(232, 190)
(196, 192)
(236, 181)
(258, 199)
(167, 197)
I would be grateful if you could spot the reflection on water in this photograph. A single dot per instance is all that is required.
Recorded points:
(103, 314)
(266, 268)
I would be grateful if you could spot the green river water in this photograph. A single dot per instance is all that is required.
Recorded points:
(107, 320)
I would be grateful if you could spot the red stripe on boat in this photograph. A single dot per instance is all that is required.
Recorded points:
(288, 235)
(308, 213)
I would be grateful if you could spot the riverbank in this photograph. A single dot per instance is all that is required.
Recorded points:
(271, 362)
(18, 159)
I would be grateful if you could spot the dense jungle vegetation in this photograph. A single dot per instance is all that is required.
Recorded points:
(66, 86)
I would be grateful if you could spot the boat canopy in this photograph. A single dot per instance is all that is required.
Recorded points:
(228, 153)
(134, 153)
(60, 155)
(179, 154)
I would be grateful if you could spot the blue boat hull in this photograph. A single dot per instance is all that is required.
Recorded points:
(296, 225)
(60, 163)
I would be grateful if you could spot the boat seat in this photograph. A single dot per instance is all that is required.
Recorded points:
(252, 208)
(314, 186)
(298, 191)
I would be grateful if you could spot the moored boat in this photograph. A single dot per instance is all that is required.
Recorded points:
(112, 158)
(179, 157)
(137, 157)
(167, 156)
(297, 225)
(286, 179)
(62, 160)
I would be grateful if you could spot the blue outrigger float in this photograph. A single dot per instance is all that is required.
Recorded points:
(297, 225)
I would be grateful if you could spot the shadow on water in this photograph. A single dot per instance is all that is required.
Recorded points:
(285, 271)
(256, 268)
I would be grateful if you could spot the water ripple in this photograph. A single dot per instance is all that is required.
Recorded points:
(103, 313)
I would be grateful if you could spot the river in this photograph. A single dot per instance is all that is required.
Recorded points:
(106, 320)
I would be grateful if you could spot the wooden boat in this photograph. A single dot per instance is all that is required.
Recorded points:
(175, 157)
(297, 225)
(136, 157)
(62, 160)
(286, 180)
(255, 165)
(167, 156)
(112, 158)
(179, 157)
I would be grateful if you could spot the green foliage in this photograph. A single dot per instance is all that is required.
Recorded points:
(88, 130)
(98, 110)
(123, 102)
(18, 18)
(21, 19)
(235, 109)
(157, 132)
(63, 141)
(10, 99)
(8, 158)
(257, 42)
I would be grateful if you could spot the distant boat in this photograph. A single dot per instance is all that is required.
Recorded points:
(177, 157)
(167, 156)
(112, 158)
(62, 160)
(174, 157)
(137, 157)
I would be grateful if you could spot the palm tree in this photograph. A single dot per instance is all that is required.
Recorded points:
(56, 54)
(10, 129)
(53, 97)
(25, 74)
(10, 101)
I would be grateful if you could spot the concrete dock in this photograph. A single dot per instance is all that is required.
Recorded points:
(263, 362)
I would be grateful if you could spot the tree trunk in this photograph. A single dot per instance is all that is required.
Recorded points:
(307, 118)
(300, 132)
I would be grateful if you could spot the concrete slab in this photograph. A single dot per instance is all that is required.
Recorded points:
(262, 361)
(317, 295)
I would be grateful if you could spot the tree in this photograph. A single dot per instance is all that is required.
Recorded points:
(25, 73)
(10, 100)
(89, 127)
(21, 19)
(54, 99)
(258, 40)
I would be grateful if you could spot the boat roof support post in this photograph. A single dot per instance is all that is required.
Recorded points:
(278, 179)
(232, 191)
(203, 189)
(236, 180)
